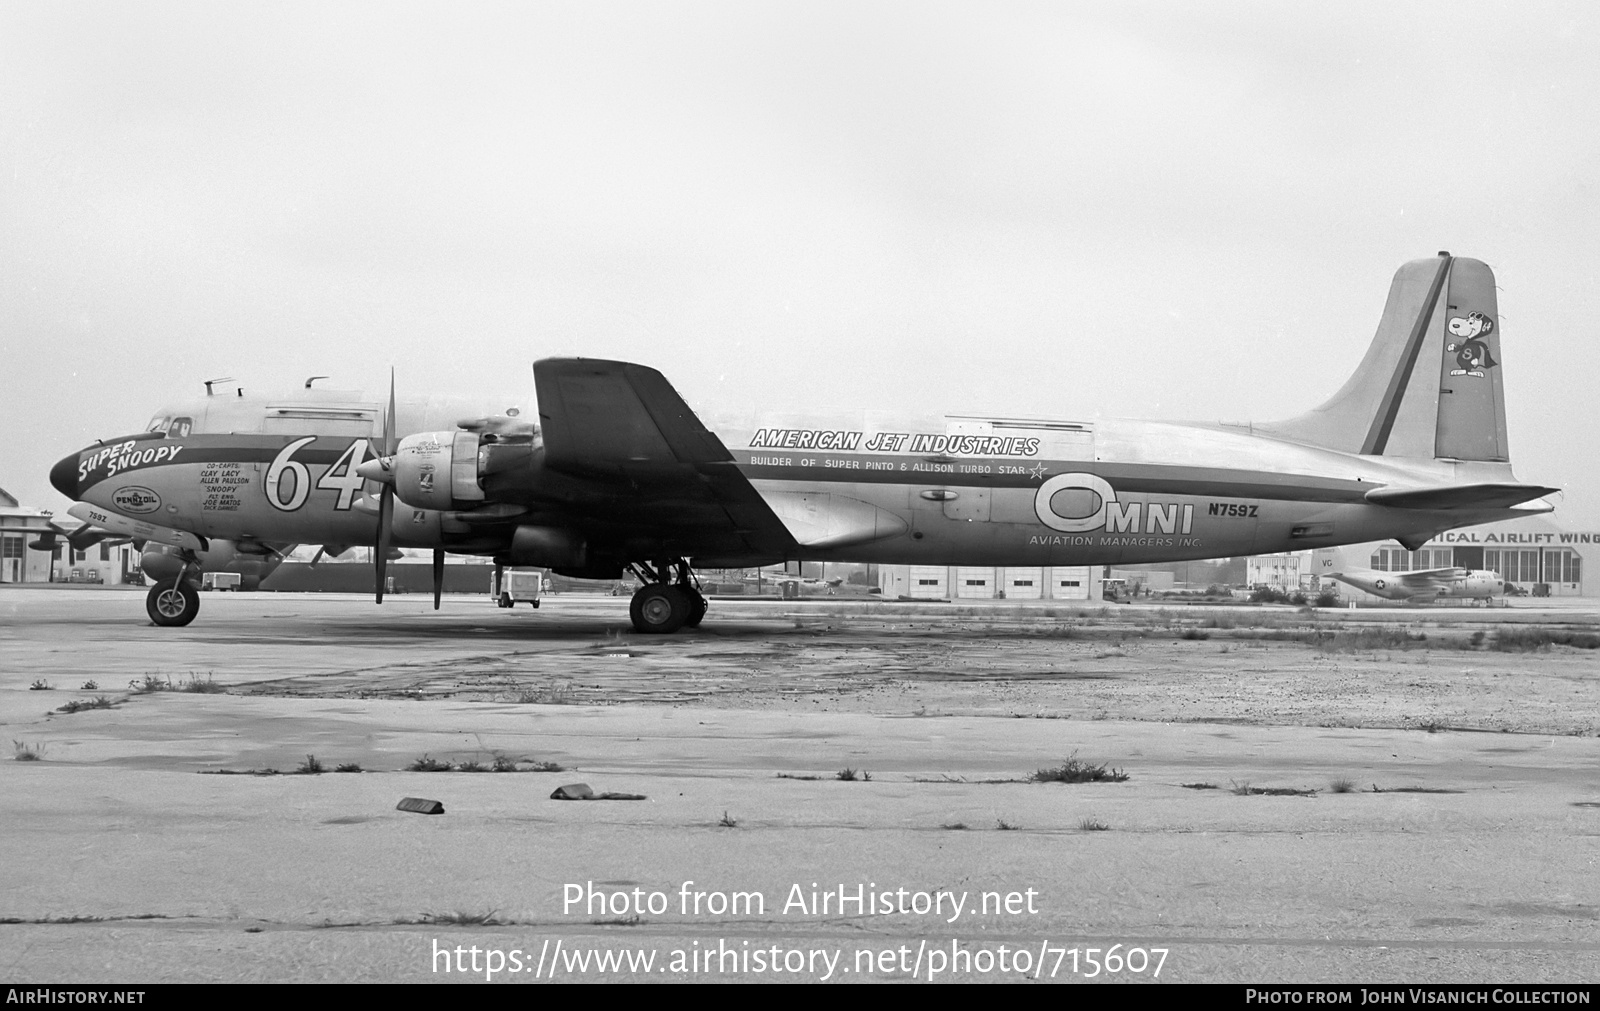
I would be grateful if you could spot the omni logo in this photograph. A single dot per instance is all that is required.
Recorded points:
(1075, 503)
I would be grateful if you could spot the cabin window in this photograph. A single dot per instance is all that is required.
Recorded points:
(157, 424)
(180, 428)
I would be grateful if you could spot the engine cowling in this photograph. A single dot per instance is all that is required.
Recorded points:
(438, 470)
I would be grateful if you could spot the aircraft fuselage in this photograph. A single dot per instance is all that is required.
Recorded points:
(948, 491)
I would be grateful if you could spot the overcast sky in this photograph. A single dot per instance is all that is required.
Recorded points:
(1181, 211)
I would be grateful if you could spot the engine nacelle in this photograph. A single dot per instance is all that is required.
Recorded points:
(438, 470)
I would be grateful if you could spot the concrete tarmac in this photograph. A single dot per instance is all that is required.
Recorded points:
(1308, 798)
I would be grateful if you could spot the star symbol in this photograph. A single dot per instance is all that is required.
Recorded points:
(1037, 471)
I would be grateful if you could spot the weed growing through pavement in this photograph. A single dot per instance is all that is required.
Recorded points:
(40, 685)
(1074, 770)
(310, 767)
(347, 767)
(1002, 825)
(728, 822)
(1092, 825)
(428, 764)
(1342, 785)
(27, 753)
(79, 705)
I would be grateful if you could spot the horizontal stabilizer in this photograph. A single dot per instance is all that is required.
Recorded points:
(1459, 496)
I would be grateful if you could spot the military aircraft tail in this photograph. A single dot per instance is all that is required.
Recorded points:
(1429, 385)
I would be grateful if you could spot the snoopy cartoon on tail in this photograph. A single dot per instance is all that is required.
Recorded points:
(1471, 350)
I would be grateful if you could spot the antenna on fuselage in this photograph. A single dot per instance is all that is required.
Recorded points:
(312, 380)
(224, 379)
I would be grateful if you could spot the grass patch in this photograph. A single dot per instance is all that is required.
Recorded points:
(1414, 789)
(459, 919)
(954, 826)
(310, 767)
(1001, 825)
(620, 921)
(1342, 785)
(79, 705)
(27, 752)
(1074, 770)
(793, 775)
(472, 766)
(1093, 825)
(1194, 633)
(347, 767)
(1200, 786)
(40, 685)
(728, 822)
(428, 764)
(1244, 789)
(90, 685)
(201, 685)
(1529, 640)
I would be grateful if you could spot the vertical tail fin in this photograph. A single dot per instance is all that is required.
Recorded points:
(1429, 385)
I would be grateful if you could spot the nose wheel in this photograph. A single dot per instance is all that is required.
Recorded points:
(665, 604)
(172, 602)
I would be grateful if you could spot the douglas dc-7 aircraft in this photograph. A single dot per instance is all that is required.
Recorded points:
(616, 473)
(1423, 586)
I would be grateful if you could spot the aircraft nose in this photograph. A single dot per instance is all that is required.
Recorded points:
(64, 476)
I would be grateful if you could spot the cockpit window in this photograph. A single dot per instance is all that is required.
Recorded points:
(180, 428)
(157, 424)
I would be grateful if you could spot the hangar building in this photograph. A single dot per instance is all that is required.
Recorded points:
(1528, 553)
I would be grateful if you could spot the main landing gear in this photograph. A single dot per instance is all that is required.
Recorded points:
(668, 600)
(174, 602)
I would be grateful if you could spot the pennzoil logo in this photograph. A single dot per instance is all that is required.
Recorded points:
(1470, 347)
(135, 500)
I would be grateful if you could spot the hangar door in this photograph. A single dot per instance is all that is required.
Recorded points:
(928, 582)
(975, 582)
(1023, 584)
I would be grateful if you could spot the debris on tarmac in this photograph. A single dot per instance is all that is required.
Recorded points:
(419, 805)
(581, 791)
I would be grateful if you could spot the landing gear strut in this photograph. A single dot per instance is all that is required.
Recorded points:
(174, 602)
(668, 600)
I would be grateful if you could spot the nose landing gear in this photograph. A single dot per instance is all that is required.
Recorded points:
(668, 600)
(175, 602)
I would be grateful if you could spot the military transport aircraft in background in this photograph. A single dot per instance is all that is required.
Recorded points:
(1423, 586)
(616, 473)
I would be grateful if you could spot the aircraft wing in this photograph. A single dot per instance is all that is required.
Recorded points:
(642, 464)
(1430, 578)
